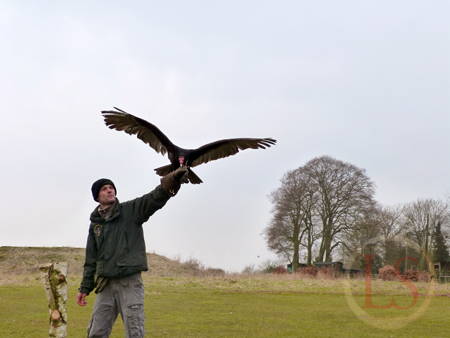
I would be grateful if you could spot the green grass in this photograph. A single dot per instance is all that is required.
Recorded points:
(230, 307)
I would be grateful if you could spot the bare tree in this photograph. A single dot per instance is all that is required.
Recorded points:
(345, 197)
(291, 223)
(392, 225)
(365, 229)
(325, 199)
(391, 220)
(422, 217)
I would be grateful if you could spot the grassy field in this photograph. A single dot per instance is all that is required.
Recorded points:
(236, 306)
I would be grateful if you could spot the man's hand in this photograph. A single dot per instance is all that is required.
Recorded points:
(81, 299)
(180, 175)
(171, 182)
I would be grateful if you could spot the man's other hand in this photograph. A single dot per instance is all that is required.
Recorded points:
(81, 299)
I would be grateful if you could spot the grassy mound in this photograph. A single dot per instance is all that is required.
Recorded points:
(18, 263)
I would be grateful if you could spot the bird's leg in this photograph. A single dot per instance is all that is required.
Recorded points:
(185, 178)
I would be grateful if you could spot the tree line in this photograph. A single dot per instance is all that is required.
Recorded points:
(325, 210)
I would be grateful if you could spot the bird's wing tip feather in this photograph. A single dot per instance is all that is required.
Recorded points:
(123, 111)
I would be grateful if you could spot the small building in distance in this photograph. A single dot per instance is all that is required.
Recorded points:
(442, 271)
(300, 265)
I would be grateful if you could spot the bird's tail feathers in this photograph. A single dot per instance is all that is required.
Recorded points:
(193, 178)
(167, 169)
(163, 171)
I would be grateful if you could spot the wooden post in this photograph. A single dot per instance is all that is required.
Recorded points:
(54, 278)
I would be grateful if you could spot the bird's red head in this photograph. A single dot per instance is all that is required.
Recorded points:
(181, 159)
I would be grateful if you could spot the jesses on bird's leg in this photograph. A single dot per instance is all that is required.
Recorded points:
(185, 178)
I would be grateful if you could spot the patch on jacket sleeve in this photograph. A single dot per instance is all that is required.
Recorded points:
(98, 229)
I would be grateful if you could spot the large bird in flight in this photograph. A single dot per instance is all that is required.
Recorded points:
(150, 134)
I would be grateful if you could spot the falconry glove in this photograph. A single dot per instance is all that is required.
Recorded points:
(171, 182)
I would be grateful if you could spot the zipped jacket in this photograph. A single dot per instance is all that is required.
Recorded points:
(116, 246)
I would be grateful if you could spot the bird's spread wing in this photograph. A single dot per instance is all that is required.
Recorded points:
(145, 131)
(224, 148)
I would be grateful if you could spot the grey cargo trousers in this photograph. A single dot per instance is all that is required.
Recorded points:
(122, 295)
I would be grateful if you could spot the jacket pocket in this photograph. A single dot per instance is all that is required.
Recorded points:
(128, 262)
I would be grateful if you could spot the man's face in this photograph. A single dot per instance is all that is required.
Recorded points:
(107, 195)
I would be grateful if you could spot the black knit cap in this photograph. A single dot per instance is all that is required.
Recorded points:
(99, 184)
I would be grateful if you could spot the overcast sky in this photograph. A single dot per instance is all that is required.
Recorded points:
(366, 82)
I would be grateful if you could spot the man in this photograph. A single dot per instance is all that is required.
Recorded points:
(116, 255)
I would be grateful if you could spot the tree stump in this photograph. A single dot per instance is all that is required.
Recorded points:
(54, 278)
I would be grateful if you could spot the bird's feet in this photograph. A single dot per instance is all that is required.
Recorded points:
(185, 178)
